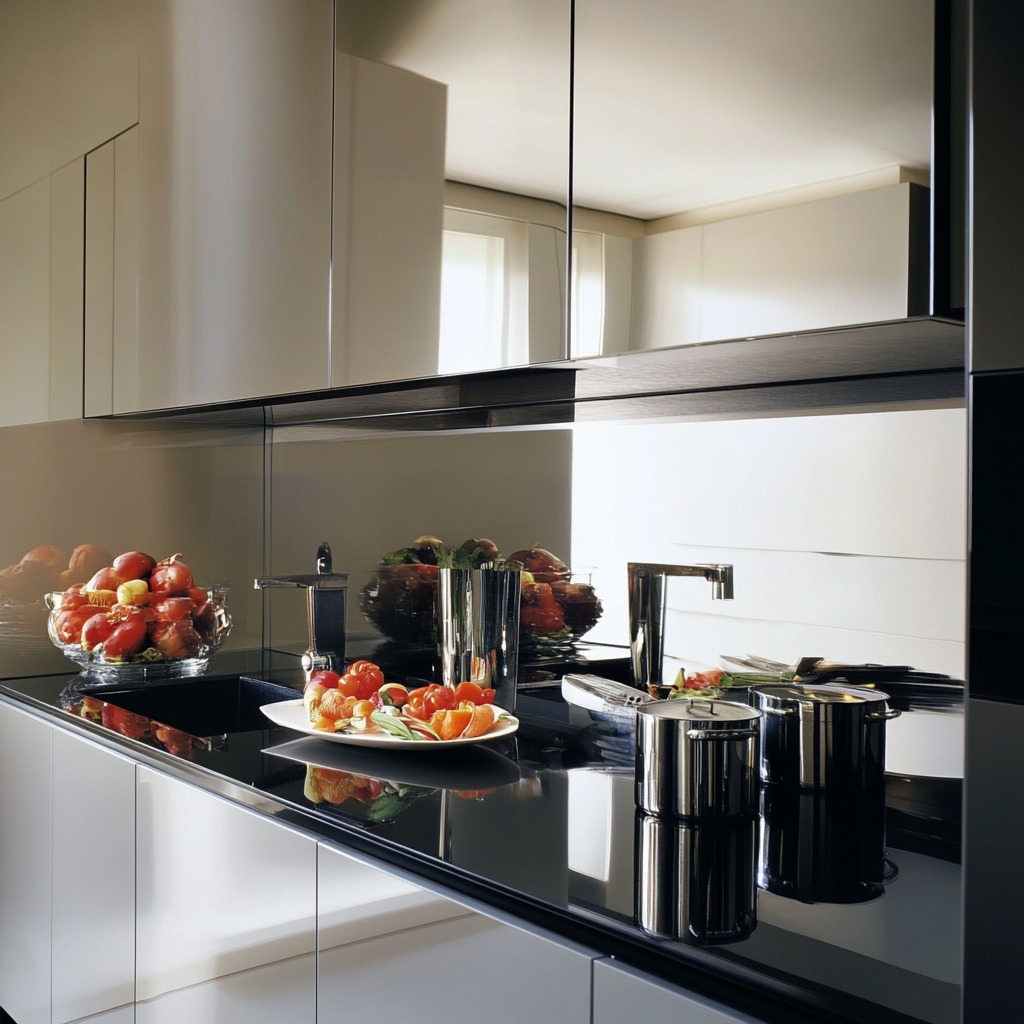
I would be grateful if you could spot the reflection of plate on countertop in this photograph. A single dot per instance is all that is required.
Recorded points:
(291, 714)
(469, 768)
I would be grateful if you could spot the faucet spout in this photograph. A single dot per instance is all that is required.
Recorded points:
(646, 581)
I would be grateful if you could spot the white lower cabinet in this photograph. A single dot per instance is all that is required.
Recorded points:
(93, 949)
(623, 993)
(25, 784)
(391, 950)
(226, 911)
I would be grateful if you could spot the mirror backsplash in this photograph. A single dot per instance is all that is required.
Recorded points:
(845, 540)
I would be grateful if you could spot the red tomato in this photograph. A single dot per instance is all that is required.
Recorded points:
(431, 698)
(104, 579)
(73, 598)
(361, 680)
(171, 609)
(126, 639)
(415, 708)
(134, 565)
(95, 630)
(68, 625)
(174, 640)
(171, 578)
(325, 678)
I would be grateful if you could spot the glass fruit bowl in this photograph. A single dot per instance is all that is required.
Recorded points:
(177, 646)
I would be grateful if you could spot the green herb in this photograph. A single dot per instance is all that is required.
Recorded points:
(396, 727)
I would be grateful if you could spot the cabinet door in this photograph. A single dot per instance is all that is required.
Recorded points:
(93, 879)
(68, 82)
(25, 786)
(226, 911)
(387, 944)
(41, 299)
(234, 179)
(111, 272)
(623, 994)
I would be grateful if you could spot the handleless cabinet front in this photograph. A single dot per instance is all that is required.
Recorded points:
(234, 202)
(25, 932)
(226, 911)
(93, 880)
(386, 942)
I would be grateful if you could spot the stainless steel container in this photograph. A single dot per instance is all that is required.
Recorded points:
(697, 758)
(696, 880)
(822, 737)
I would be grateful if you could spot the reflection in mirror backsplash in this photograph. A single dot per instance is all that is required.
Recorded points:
(130, 486)
(841, 529)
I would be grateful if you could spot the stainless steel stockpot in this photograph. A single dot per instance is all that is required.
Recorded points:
(697, 758)
(822, 737)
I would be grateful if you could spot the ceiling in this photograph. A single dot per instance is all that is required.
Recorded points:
(680, 105)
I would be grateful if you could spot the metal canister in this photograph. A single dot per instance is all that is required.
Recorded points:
(697, 758)
(822, 737)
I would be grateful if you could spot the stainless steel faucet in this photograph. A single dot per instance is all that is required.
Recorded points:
(326, 592)
(646, 582)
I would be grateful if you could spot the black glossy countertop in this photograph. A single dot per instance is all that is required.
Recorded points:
(780, 915)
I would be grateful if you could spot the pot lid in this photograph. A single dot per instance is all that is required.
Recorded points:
(807, 692)
(700, 709)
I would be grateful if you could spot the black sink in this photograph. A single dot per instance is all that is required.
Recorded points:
(202, 705)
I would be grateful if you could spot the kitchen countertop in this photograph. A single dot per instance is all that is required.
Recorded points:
(543, 826)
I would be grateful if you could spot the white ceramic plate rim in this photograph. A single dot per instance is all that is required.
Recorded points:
(291, 714)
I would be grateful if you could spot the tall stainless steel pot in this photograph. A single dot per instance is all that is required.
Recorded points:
(697, 758)
(822, 737)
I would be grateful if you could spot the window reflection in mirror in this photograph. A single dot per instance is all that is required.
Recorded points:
(505, 66)
(750, 167)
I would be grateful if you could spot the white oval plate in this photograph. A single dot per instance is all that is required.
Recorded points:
(291, 714)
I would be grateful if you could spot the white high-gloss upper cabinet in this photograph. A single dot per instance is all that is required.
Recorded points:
(234, 202)
(388, 946)
(25, 858)
(226, 911)
(624, 994)
(41, 240)
(68, 82)
(93, 966)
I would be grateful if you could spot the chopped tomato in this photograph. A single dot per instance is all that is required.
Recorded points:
(361, 680)
(450, 725)
(474, 693)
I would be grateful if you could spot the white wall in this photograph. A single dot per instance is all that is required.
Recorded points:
(847, 532)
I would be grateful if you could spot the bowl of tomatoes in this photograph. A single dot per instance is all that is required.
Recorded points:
(138, 619)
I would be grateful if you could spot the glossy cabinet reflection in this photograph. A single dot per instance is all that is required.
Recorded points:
(499, 273)
(226, 923)
(748, 169)
(383, 938)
